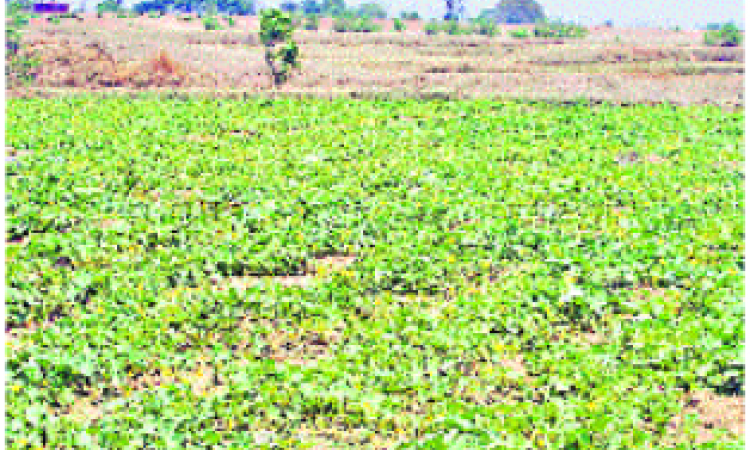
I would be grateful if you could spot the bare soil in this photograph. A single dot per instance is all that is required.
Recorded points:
(172, 55)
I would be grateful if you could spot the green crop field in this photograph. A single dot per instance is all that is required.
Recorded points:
(369, 274)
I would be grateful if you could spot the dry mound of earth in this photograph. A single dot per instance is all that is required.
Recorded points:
(66, 63)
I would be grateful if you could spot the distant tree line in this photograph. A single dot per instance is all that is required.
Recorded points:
(323, 8)
(232, 7)
(336, 9)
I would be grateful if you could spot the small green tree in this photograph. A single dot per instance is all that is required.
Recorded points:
(728, 36)
(518, 12)
(108, 6)
(312, 23)
(558, 29)
(452, 27)
(486, 27)
(520, 33)
(432, 27)
(341, 25)
(282, 53)
(211, 23)
(398, 25)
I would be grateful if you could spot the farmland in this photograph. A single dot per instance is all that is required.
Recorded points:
(403, 274)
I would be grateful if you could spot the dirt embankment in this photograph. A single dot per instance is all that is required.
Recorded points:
(173, 54)
(62, 62)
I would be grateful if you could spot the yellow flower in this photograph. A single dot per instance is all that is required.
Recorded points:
(16, 388)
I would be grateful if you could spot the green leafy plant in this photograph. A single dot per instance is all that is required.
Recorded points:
(558, 29)
(282, 53)
(211, 24)
(230, 21)
(312, 23)
(341, 25)
(109, 6)
(728, 36)
(17, 64)
(432, 28)
(398, 25)
(452, 27)
(361, 25)
(366, 25)
(521, 33)
(486, 27)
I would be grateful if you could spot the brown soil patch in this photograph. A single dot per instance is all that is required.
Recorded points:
(201, 138)
(242, 283)
(14, 333)
(333, 433)
(293, 347)
(10, 151)
(656, 159)
(243, 133)
(586, 338)
(333, 263)
(186, 195)
(625, 159)
(513, 368)
(592, 338)
(85, 409)
(113, 223)
(733, 165)
(463, 224)
(714, 412)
